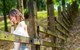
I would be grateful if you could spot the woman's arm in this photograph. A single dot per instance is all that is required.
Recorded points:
(12, 27)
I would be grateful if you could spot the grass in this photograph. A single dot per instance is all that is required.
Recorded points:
(2, 24)
(42, 14)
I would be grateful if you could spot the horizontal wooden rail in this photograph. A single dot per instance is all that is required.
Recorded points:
(62, 31)
(12, 37)
(66, 23)
(50, 44)
(65, 18)
(45, 43)
(52, 34)
(68, 15)
(6, 38)
(62, 25)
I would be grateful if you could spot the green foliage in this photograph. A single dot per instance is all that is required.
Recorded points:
(79, 49)
(78, 1)
(1, 7)
(10, 4)
(41, 5)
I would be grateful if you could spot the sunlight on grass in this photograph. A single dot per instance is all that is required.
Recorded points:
(42, 14)
(2, 24)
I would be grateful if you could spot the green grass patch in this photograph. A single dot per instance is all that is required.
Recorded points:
(2, 24)
(42, 14)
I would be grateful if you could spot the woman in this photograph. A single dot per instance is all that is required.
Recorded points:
(17, 19)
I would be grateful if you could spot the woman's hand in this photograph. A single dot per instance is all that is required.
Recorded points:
(12, 24)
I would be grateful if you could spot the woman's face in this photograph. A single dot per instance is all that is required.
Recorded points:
(13, 19)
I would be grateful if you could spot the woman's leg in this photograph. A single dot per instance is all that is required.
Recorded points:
(16, 46)
(23, 47)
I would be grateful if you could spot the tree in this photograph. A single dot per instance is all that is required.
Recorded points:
(32, 21)
(9, 5)
(5, 18)
(25, 4)
(41, 5)
(51, 20)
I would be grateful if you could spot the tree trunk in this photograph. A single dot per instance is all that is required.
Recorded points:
(5, 18)
(63, 5)
(20, 6)
(25, 3)
(33, 22)
(51, 20)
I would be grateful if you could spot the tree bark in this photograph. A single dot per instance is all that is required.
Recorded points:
(25, 3)
(51, 20)
(33, 22)
(20, 6)
(5, 18)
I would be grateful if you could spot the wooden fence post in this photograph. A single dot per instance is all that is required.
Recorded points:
(33, 22)
(60, 19)
(5, 18)
(51, 20)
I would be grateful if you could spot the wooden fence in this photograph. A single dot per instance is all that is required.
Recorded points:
(61, 25)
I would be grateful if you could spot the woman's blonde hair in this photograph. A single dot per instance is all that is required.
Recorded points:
(16, 13)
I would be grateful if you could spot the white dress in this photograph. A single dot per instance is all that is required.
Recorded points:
(20, 30)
